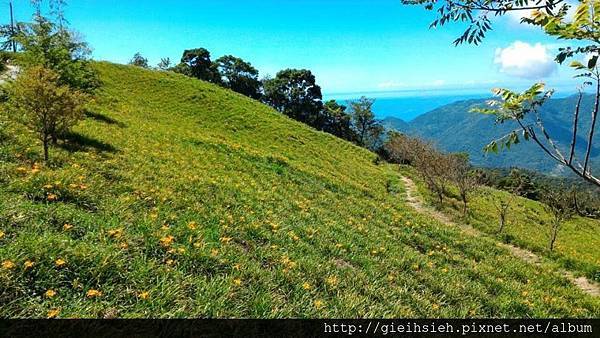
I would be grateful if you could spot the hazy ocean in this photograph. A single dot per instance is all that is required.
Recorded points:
(408, 104)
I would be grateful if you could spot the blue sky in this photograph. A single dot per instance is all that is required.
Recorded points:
(350, 45)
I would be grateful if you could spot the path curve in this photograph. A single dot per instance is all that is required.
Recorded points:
(588, 286)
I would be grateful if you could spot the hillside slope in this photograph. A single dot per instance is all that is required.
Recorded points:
(176, 198)
(455, 128)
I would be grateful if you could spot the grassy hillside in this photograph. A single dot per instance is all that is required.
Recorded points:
(529, 226)
(176, 198)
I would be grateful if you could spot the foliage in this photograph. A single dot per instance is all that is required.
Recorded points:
(502, 206)
(368, 129)
(45, 106)
(196, 63)
(139, 61)
(337, 121)
(559, 204)
(239, 76)
(524, 110)
(462, 176)
(164, 64)
(46, 44)
(551, 16)
(295, 93)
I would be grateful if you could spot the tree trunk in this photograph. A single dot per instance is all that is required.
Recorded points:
(502, 222)
(553, 235)
(46, 150)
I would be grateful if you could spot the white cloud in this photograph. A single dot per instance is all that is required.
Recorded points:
(438, 83)
(526, 61)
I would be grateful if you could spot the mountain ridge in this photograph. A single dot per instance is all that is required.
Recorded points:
(454, 128)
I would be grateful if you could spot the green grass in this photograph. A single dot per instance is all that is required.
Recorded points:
(529, 226)
(187, 200)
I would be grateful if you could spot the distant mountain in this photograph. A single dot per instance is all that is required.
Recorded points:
(396, 124)
(454, 128)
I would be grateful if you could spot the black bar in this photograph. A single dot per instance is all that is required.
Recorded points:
(300, 328)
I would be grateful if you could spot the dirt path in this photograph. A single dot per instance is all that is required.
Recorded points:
(590, 287)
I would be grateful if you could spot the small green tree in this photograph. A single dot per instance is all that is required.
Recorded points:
(52, 46)
(558, 203)
(44, 105)
(139, 61)
(463, 177)
(368, 129)
(164, 64)
(503, 207)
(338, 122)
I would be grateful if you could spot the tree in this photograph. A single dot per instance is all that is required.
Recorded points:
(46, 106)
(139, 61)
(196, 63)
(520, 183)
(463, 177)
(52, 46)
(164, 64)
(558, 204)
(338, 122)
(502, 207)
(552, 17)
(9, 34)
(295, 93)
(402, 149)
(239, 76)
(368, 129)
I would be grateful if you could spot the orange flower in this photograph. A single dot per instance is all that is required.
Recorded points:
(67, 227)
(192, 225)
(167, 241)
(2, 234)
(92, 293)
(332, 280)
(319, 303)
(115, 233)
(144, 295)
(28, 264)
(8, 265)
(53, 313)
(306, 286)
(50, 293)
(237, 282)
(60, 262)
(52, 197)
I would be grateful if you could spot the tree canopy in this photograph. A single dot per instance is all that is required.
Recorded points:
(197, 63)
(295, 93)
(239, 76)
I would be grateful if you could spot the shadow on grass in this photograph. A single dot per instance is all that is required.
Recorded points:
(105, 119)
(75, 142)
